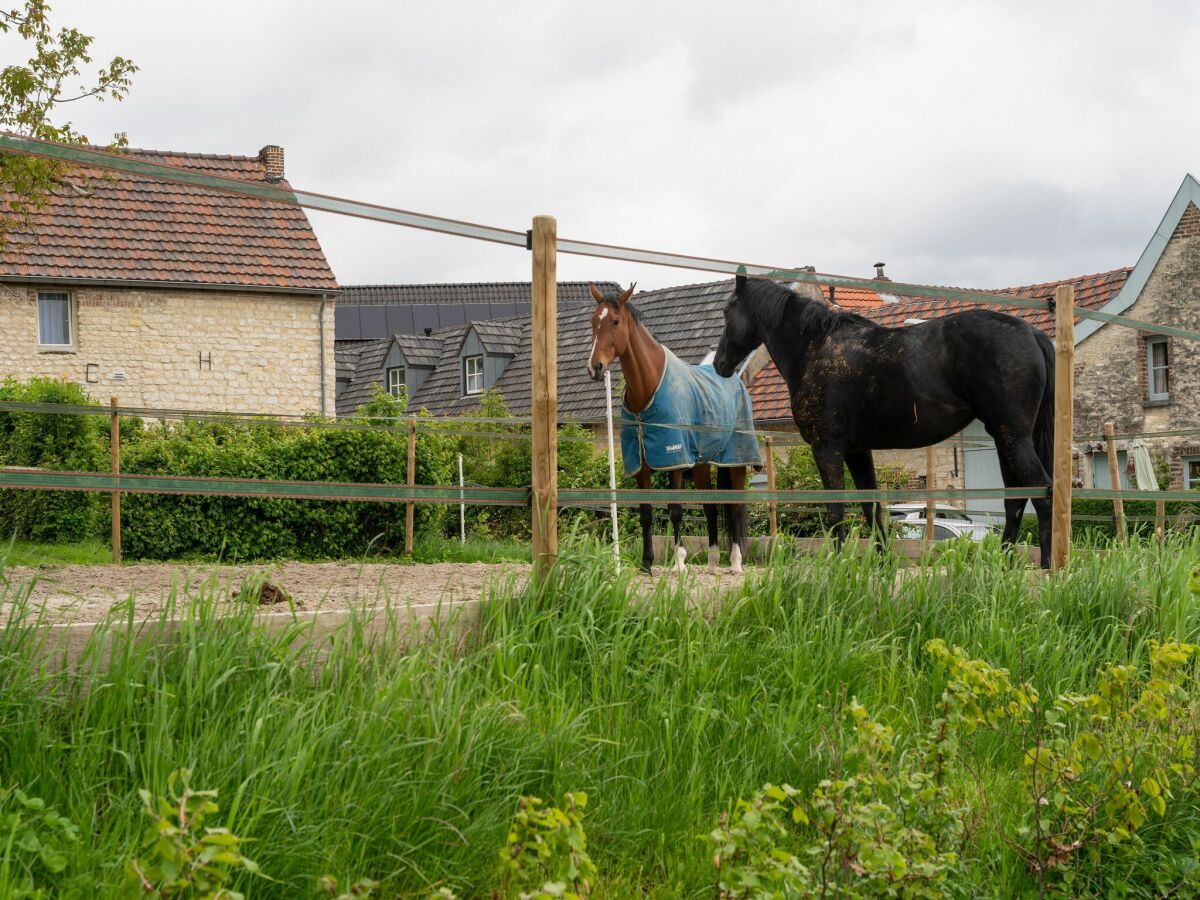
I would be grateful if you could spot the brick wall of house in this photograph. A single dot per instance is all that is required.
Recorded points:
(1110, 365)
(239, 352)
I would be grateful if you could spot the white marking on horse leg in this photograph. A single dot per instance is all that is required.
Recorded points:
(680, 560)
(735, 558)
(714, 557)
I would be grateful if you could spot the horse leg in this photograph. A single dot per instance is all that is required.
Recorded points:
(737, 521)
(862, 470)
(676, 512)
(1013, 509)
(703, 479)
(646, 514)
(1027, 471)
(831, 467)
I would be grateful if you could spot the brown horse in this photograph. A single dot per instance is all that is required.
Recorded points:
(619, 333)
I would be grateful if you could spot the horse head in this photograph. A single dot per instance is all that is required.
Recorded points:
(741, 336)
(610, 330)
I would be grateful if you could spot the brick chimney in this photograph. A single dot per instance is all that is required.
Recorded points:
(271, 156)
(879, 276)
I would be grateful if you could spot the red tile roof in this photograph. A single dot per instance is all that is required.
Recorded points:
(853, 298)
(770, 396)
(133, 228)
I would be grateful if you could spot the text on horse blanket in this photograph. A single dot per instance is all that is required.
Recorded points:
(695, 416)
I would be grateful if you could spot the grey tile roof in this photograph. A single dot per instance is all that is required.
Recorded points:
(346, 359)
(441, 393)
(373, 312)
(687, 319)
(502, 337)
(368, 372)
(420, 350)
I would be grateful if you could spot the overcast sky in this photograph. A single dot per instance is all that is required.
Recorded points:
(978, 144)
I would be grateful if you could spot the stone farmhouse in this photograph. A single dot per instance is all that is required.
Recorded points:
(172, 296)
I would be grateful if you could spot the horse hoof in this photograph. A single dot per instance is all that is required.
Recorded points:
(714, 557)
(735, 559)
(680, 560)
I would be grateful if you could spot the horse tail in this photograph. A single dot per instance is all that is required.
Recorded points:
(1043, 428)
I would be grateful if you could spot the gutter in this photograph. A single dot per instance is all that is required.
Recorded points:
(321, 329)
(162, 285)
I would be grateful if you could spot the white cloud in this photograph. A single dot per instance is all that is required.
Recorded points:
(984, 143)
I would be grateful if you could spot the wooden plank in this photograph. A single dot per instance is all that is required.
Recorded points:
(115, 466)
(410, 508)
(773, 507)
(544, 245)
(929, 486)
(1064, 420)
(1115, 482)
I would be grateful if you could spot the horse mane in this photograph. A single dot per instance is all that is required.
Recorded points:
(769, 303)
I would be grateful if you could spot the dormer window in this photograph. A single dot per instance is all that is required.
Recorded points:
(473, 374)
(395, 380)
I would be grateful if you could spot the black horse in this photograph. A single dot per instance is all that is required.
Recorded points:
(856, 386)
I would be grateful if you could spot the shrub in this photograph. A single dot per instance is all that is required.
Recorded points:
(47, 441)
(166, 526)
(507, 461)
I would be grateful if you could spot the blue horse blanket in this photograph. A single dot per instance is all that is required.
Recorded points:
(695, 416)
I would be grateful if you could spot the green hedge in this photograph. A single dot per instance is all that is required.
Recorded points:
(160, 526)
(66, 443)
(1093, 519)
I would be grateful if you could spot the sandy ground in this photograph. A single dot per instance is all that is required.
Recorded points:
(77, 593)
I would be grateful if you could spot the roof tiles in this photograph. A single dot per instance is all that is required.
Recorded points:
(127, 227)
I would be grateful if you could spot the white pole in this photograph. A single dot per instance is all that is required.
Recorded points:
(462, 506)
(612, 468)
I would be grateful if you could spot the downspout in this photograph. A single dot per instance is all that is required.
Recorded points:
(321, 328)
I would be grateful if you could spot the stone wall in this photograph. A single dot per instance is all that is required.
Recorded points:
(219, 350)
(1110, 364)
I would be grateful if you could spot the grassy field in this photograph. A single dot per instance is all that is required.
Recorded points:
(406, 767)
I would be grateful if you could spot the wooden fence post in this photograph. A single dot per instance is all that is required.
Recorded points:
(1160, 518)
(1064, 421)
(115, 460)
(409, 507)
(773, 507)
(929, 504)
(544, 244)
(1115, 479)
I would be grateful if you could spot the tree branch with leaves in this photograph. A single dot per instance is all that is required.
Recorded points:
(33, 98)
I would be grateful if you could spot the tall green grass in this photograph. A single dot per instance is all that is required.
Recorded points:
(401, 759)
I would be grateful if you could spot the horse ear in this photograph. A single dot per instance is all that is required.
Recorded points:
(596, 295)
(739, 285)
(625, 295)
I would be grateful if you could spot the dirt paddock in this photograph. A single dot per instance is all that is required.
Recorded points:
(86, 593)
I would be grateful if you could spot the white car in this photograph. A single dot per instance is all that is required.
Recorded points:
(943, 530)
(948, 522)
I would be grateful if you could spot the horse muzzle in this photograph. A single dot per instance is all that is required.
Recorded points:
(595, 370)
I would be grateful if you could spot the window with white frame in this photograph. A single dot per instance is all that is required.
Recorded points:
(472, 374)
(55, 320)
(395, 380)
(1158, 369)
(1191, 473)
